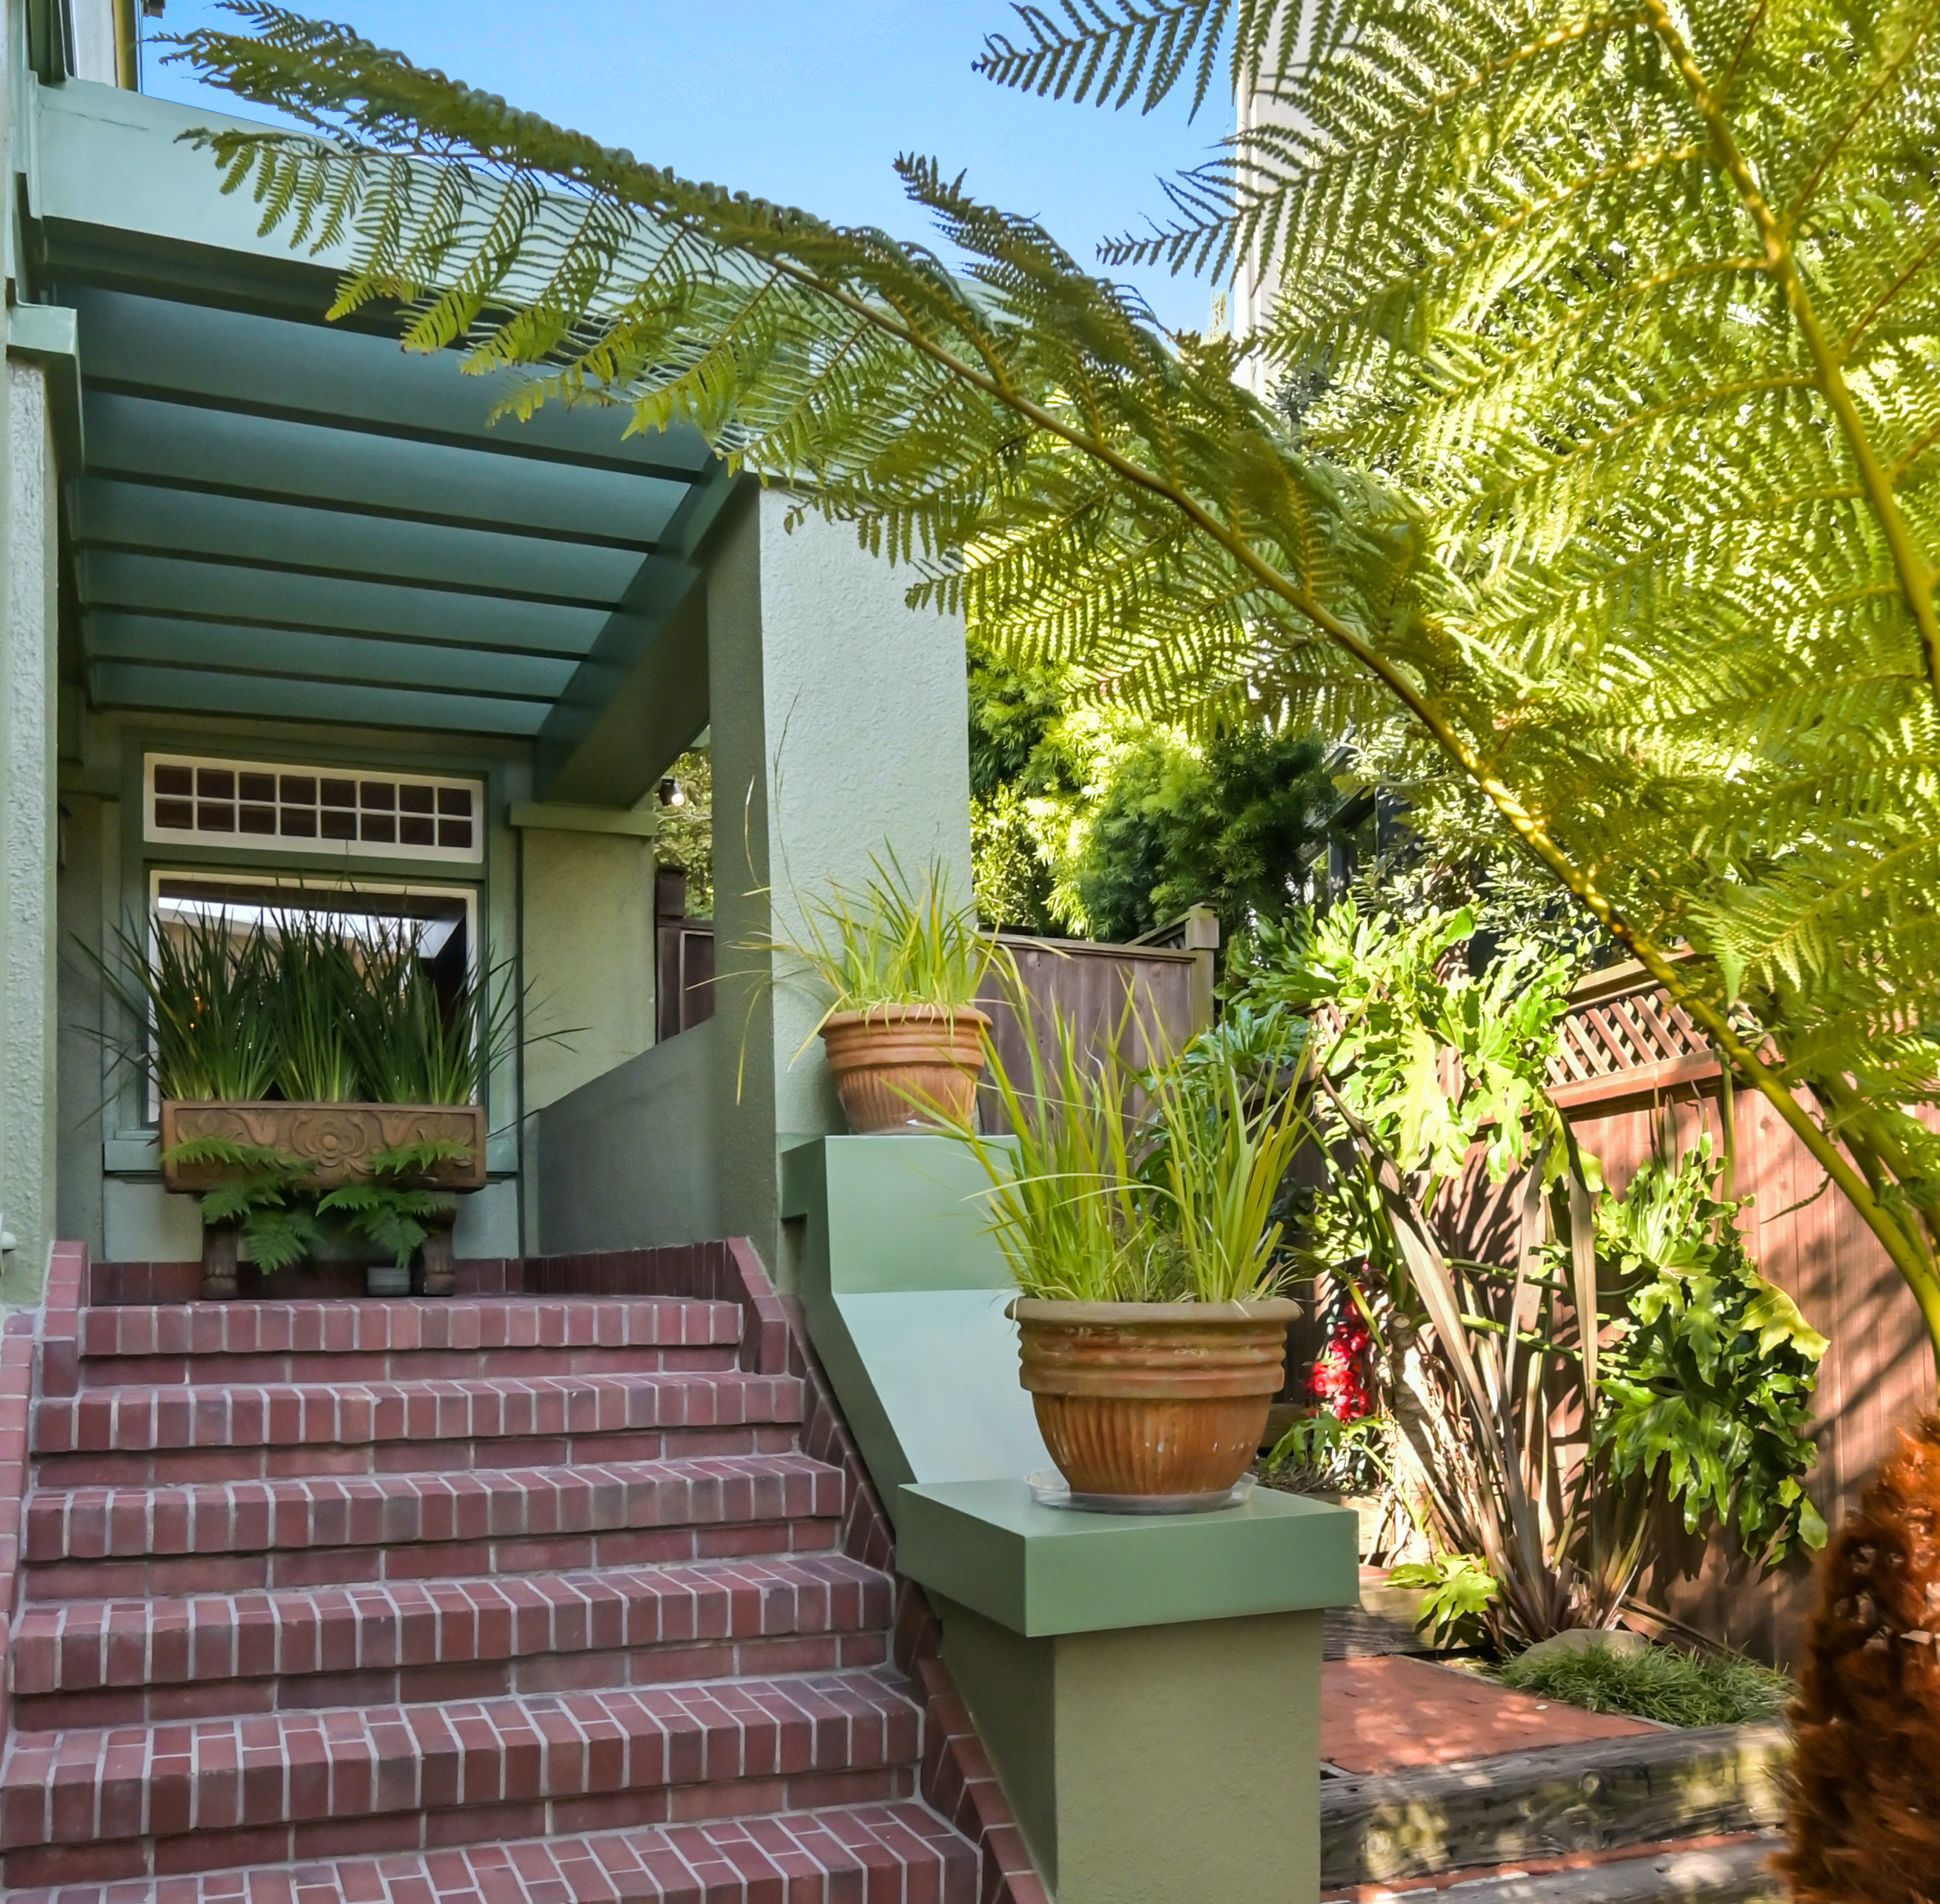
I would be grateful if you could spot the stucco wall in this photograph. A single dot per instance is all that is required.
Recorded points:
(628, 1160)
(838, 731)
(586, 904)
(28, 838)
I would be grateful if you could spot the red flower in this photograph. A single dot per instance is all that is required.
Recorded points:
(1339, 1382)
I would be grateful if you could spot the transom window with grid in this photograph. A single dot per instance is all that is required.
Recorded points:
(308, 809)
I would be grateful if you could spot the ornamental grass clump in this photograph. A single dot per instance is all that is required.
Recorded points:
(416, 1045)
(1663, 1683)
(219, 1010)
(1094, 1201)
(202, 1005)
(893, 941)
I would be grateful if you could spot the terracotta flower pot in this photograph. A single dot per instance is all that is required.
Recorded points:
(1152, 1398)
(891, 1061)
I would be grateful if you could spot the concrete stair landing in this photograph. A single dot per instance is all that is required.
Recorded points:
(496, 1598)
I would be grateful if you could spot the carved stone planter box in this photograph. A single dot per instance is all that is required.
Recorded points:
(339, 1139)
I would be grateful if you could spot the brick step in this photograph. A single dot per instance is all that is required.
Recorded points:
(140, 1434)
(900, 1854)
(308, 1531)
(170, 1343)
(144, 1800)
(115, 1662)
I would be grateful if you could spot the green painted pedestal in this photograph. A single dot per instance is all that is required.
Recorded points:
(1148, 1690)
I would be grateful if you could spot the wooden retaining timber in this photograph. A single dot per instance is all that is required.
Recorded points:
(1721, 1874)
(1636, 1790)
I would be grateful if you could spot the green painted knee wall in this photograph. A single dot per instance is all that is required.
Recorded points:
(1155, 1765)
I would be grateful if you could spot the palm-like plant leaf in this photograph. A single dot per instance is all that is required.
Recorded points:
(1609, 484)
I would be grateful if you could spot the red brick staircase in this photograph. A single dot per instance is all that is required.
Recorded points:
(561, 1595)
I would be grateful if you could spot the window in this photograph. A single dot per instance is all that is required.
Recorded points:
(307, 809)
(441, 922)
(442, 919)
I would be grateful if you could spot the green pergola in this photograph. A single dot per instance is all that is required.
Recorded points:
(271, 516)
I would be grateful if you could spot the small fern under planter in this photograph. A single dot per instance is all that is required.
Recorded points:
(323, 1153)
(1152, 1339)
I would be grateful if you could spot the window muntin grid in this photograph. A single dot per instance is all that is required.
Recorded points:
(334, 811)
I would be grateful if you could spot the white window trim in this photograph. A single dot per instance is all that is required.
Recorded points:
(319, 848)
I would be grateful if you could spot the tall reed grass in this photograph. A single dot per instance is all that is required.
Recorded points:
(1091, 1201)
(225, 1011)
(893, 940)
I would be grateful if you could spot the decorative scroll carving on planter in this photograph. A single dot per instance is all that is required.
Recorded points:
(339, 1139)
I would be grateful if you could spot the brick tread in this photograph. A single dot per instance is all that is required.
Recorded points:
(81, 1646)
(177, 1329)
(491, 1600)
(88, 1787)
(96, 1523)
(895, 1853)
(140, 1418)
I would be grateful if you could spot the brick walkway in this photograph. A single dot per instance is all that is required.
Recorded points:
(1396, 1714)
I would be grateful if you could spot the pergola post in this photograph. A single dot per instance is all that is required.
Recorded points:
(839, 720)
(29, 832)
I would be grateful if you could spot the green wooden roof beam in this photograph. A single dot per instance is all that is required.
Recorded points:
(277, 460)
(125, 684)
(336, 542)
(156, 584)
(232, 648)
(350, 379)
(642, 694)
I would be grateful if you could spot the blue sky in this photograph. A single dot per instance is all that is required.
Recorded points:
(804, 103)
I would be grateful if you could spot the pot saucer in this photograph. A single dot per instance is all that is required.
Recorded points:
(1050, 1489)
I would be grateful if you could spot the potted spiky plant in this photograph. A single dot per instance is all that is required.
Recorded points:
(1153, 1336)
(303, 1082)
(898, 967)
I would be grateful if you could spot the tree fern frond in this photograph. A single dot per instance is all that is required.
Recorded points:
(1114, 51)
(1572, 485)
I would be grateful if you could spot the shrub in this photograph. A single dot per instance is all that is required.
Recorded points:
(1660, 1683)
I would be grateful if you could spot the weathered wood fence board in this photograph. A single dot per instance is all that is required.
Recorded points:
(1631, 1060)
(1146, 999)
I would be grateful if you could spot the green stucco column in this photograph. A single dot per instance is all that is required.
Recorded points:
(839, 731)
(1169, 1764)
(28, 822)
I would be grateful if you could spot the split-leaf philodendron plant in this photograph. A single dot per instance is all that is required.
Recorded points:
(1602, 471)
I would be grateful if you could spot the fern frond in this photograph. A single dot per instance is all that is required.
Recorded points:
(1604, 463)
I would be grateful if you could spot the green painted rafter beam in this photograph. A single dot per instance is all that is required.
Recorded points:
(169, 585)
(227, 648)
(231, 451)
(642, 694)
(124, 684)
(349, 380)
(325, 541)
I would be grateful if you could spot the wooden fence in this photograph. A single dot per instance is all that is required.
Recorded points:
(1159, 990)
(1148, 998)
(1629, 1058)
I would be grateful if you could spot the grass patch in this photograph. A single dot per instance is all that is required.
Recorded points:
(1673, 1687)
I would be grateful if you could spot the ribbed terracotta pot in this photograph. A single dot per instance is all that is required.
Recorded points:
(1152, 1398)
(891, 1061)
